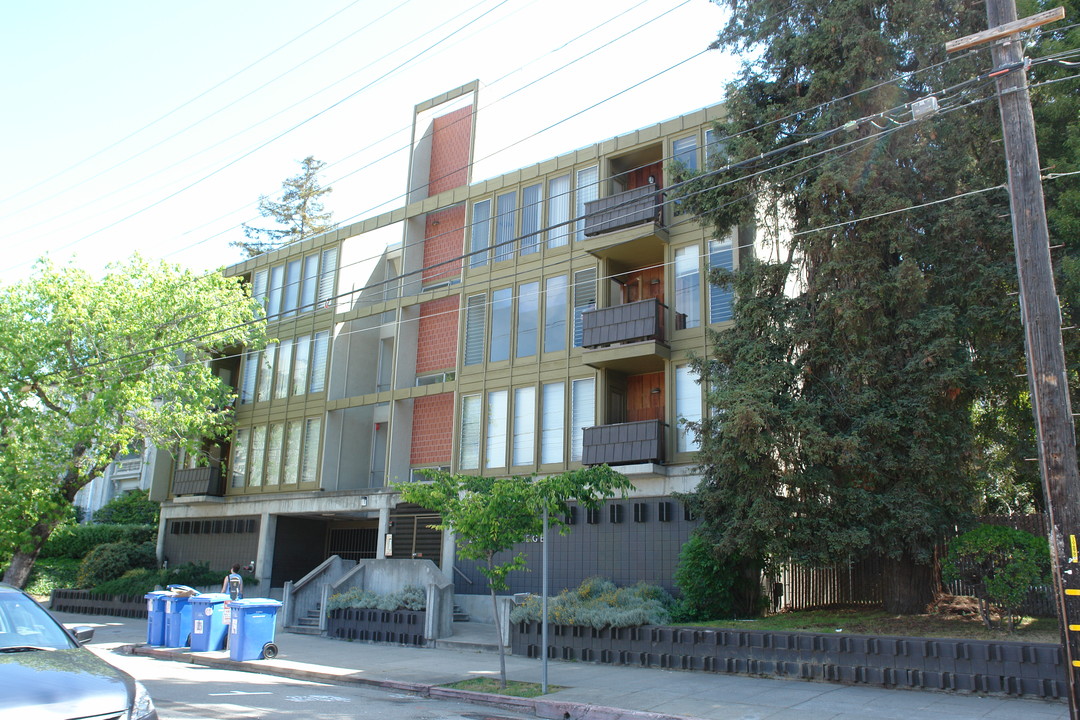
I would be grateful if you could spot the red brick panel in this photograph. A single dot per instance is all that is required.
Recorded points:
(436, 348)
(444, 241)
(433, 430)
(450, 142)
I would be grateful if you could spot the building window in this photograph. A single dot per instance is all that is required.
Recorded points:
(309, 286)
(239, 459)
(294, 432)
(687, 288)
(684, 152)
(495, 450)
(318, 361)
(284, 365)
(501, 316)
(721, 255)
(475, 312)
(505, 225)
(273, 454)
(481, 231)
(258, 450)
(266, 372)
(309, 463)
(251, 371)
(582, 414)
(528, 319)
(273, 306)
(588, 189)
(558, 211)
(532, 213)
(584, 299)
(555, 314)
(290, 293)
(553, 407)
(327, 277)
(687, 407)
(259, 285)
(524, 425)
(301, 364)
(469, 455)
(715, 150)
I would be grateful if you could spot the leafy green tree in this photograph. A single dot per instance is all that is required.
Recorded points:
(490, 515)
(131, 508)
(90, 365)
(1002, 564)
(300, 211)
(708, 584)
(843, 394)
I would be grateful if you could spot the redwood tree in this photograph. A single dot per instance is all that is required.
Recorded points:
(843, 394)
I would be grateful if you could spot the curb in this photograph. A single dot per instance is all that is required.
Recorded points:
(548, 709)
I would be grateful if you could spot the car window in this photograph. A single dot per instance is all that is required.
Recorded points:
(25, 623)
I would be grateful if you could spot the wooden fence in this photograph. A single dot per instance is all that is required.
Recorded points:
(796, 587)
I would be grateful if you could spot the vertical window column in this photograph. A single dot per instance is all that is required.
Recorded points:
(555, 292)
(687, 288)
(532, 213)
(584, 299)
(558, 211)
(469, 452)
(481, 232)
(552, 423)
(475, 313)
(588, 189)
(501, 317)
(582, 414)
(687, 407)
(528, 319)
(318, 361)
(495, 450)
(524, 425)
(238, 467)
(721, 255)
(505, 225)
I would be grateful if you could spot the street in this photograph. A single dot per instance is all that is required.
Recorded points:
(184, 691)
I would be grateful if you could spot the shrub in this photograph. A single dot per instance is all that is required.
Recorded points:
(410, 597)
(1001, 563)
(131, 508)
(598, 603)
(142, 580)
(705, 581)
(76, 541)
(111, 560)
(50, 574)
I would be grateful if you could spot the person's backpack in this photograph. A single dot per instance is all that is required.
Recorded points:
(235, 585)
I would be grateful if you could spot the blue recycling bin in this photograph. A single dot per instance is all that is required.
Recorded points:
(177, 621)
(155, 617)
(251, 630)
(208, 627)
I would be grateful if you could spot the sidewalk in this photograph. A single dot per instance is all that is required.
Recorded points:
(591, 691)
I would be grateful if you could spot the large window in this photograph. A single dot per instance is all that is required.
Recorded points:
(239, 467)
(505, 225)
(258, 451)
(687, 288)
(294, 433)
(584, 299)
(588, 189)
(303, 283)
(687, 407)
(721, 255)
(582, 414)
(684, 151)
(495, 450)
(532, 217)
(524, 425)
(266, 372)
(251, 372)
(528, 319)
(284, 366)
(309, 463)
(293, 367)
(301, 365)
(318, 361)
(558, 211)
(273, 454)
(469, 454)
(555, 314)
(552, 422)
(501, 314)
(475, 311)
(481, 232)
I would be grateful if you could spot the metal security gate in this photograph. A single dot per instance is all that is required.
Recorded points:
(352, 543)
(413, 536)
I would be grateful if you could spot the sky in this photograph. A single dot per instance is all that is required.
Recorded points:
(133, 126)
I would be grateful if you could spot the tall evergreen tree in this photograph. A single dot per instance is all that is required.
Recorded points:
(843, 395)
(300, 212)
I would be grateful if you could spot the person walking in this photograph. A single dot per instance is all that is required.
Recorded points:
(233, 584)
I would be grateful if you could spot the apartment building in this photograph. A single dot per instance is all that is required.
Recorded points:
(533, 322)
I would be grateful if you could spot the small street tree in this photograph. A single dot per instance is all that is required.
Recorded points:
(300, 212)
(489, 515)
(88, 366)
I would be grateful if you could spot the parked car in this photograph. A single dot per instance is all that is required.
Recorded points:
(47, 674)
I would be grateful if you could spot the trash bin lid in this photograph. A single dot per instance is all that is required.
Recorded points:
(256, 603)
(156, 595)
(209, 598)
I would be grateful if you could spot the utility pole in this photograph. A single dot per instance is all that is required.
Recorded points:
(1041, 317)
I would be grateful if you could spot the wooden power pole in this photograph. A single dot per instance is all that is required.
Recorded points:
(1041, 317)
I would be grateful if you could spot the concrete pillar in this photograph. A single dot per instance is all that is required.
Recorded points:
(384, 526)
(264, 562)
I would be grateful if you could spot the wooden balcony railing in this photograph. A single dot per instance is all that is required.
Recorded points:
(629, 208)
(198, 481)
(624, 443)
(631, 322)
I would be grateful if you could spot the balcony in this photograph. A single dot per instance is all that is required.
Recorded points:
(629, 443)
(198, 481)
(627, 227)
(628, 338)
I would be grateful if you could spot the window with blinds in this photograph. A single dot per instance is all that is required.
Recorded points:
(318, 361)
(327, 278)
(282, 370)
(266, 372)
(584, 299)
(501, 307)
(687, 288)
(480, 234)
(475, 311)
(495, 449)
(273, 453)
(301, 365)
(721, 255)
(558, 211)
(300, 284)
(582, 414)
(240, 458)
(469, 452)
(687, 407)
(294, 433)
(505, 226)
(524, 426)
(309, 468)
(555, 293)
(588, 189)
(528, 319)
(251, 372)
(258, 450)
(532, 214)
(552, 423)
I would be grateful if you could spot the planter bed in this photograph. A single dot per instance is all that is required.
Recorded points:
(977, 666)
(397, 627)
(81, 601)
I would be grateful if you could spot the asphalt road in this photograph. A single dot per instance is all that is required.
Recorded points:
(183, 691)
